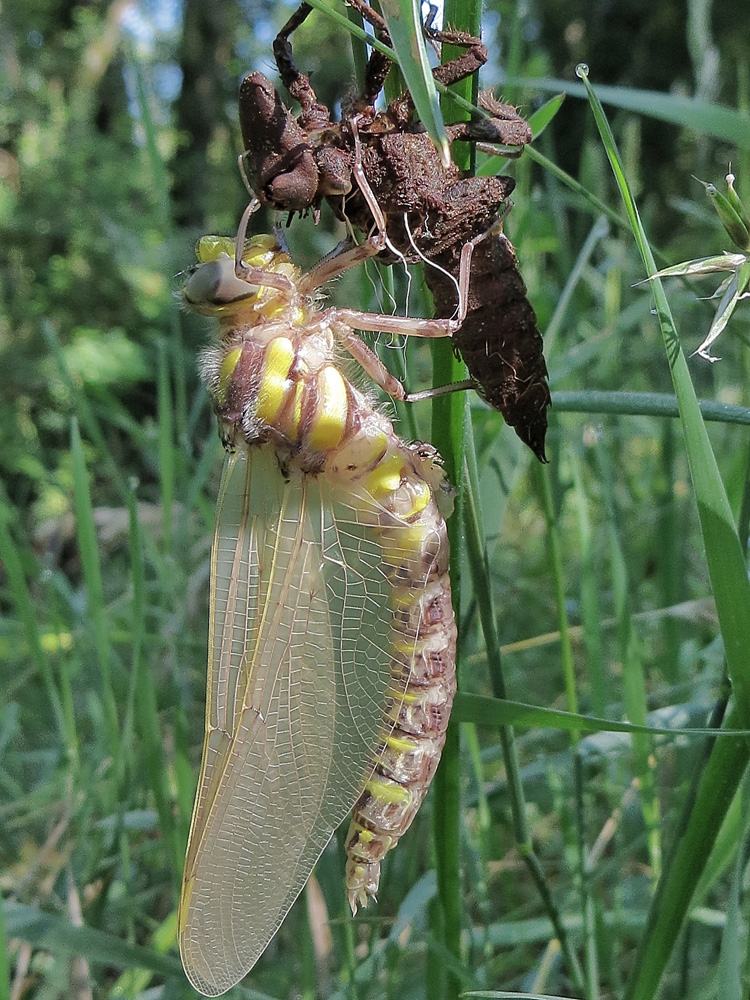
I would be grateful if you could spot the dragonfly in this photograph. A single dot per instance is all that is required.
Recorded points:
(331, 663)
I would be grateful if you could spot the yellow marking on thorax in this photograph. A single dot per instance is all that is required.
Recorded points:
(259, 251)
(274, 384)
(329, 421)
(210, 248)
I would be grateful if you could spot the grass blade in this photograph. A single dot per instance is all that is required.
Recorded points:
(644, 404)
(56, 933)
(726, 765)
(451, 423)
(717, 121)
(404, 20)
(24, 607)
(87, 544)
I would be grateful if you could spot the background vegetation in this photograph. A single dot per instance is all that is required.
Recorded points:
(119, 142)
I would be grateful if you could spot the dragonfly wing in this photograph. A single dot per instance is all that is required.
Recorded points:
(299, 666)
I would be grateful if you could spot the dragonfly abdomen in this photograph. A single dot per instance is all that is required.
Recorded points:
(423, 676)
(322, 423)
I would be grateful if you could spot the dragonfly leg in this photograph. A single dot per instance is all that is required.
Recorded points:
(340, 259)
(404, 325)
(256, 275)
(441, 390)
(412, 327)
(368, 360)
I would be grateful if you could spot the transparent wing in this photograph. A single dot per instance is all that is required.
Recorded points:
(299, 662)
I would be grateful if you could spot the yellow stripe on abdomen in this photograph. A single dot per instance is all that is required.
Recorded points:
(328, 421)
(274, 384)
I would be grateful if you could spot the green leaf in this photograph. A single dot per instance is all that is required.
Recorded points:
(734, 292)
(404, 21)
(715, 786)
(46, 930)
(484, 711)
(700, 267)
(714, 120)
(541, 118)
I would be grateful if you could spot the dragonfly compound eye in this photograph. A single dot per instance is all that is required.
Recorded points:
(216, 284)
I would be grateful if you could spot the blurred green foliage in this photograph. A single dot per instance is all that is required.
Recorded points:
(118, 147)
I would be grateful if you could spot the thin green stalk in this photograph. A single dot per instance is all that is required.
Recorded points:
(714, 788)
(24, 610)
(544, 487)
(670, 558)
(634, 682)
(647, 404)
(89, 552)
(128, 764)
(597, 232)
(451, 423)
(147, 721)
(359, 48)
(591, 618)
(4, 963)
(601, 207)
(724, 555)
(482, 580)
(483, 837)
(513, 62)
(588, 905)
(166, 449)
(743, 521)
(162, 199)
(450, 417)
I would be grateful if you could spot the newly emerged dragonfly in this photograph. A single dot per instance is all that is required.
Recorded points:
(331, 667)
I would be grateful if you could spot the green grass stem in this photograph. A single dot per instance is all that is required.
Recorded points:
(715, 786)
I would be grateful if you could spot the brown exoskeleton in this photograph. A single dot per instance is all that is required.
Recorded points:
(380, 171)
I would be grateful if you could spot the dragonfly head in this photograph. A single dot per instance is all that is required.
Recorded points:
(215, 287)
